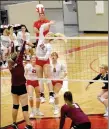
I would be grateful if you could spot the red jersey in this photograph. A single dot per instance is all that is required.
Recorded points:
(75, 113)
(17, 73)
(38, 24)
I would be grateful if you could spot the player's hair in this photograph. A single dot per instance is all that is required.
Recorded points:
(50, 34)
(9, 27)
(68, 96)
(5, 30)
(60, 35)
(25, 28)
(54, 53)
(104, 66)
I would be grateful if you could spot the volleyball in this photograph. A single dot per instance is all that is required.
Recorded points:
(40, 8)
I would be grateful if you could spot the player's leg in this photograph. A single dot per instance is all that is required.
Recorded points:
(41, 84)
(37, 93)
(106, 103)
(57, 88)
(23, 96)
(101, 93)
(47, 74)
(104, 100)
(15, 99)
(30, 90)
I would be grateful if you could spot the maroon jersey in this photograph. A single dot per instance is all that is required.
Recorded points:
(75, 113)
(17, 72)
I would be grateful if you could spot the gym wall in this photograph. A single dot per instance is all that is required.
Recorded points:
(23, 13)
(89, 20)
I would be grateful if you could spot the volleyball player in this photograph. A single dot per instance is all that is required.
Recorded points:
(33, 84)
(37, 24)
(25, 35)
(103, 95)
(58, 71)
(43, 52)
(12, 37)
(18, 88)
(5, 46)
(73, 111)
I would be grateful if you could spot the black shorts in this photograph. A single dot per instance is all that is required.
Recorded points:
(83, 126)
(19, 90)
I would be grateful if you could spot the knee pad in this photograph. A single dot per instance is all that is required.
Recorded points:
(25, 108)
(15, 106)
(30, 97)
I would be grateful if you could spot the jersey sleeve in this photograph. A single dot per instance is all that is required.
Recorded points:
(27, 67)
(62, 118)
(14, 35)
(35, 25)
(28, 37)
(96, 78)
(19, 37)
(64, 68)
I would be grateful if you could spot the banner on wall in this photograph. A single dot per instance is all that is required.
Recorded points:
(99, 7)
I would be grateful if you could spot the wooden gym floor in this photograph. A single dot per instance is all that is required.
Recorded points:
(82, 58)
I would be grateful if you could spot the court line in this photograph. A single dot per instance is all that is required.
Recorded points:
(93, 62)
(92, 67)
(85, 47)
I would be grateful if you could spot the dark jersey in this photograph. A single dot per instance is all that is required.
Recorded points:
(17, 72)
(105, 78)
(75, 113)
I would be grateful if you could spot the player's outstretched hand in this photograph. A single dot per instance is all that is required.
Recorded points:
(52, 22)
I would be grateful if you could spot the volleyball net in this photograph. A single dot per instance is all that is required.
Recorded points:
(81, 55)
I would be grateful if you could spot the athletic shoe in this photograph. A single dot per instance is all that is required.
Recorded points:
(56, 110)
(39, 113)
(42, 99)
(28, 127)
(51, 100)
(14, 125)
(106, 114)
(32, 115)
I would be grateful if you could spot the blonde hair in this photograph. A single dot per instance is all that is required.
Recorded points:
(104, 66)
(50, 34)
(61, 35)
(6, 31)
(54, 53)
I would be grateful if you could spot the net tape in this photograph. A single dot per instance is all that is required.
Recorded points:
(69, 80)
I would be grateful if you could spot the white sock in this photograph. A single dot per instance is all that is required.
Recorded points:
(32, 109)
(37, 109)
(56, 106)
